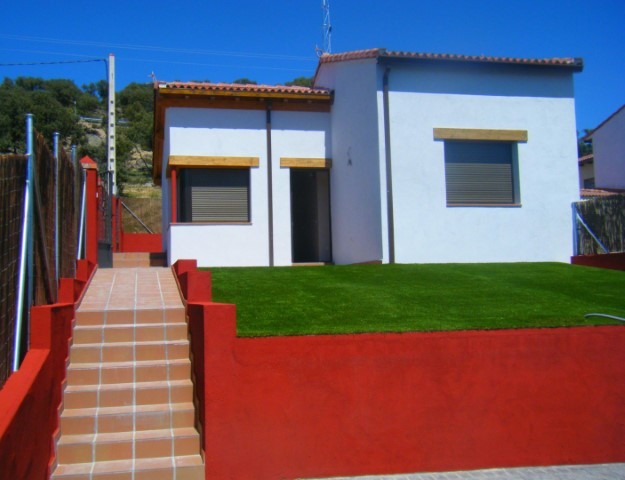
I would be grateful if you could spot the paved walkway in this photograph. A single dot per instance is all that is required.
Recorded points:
(610, 471)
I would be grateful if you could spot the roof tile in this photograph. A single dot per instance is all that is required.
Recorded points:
(237, 87)
(383, 53)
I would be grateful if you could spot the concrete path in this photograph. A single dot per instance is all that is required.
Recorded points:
(610, 471)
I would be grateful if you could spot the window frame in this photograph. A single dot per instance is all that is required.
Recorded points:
(459, 136)
(186, 203)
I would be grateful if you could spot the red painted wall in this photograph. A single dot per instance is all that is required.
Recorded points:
(614, 261)
(141, 242)
(31, 397)
(314, 406)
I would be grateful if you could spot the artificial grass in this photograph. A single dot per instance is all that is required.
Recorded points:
(401, 298)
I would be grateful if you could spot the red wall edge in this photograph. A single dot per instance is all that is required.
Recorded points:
(315, 406)
(31, 397)
(614, 261)
(141, 242)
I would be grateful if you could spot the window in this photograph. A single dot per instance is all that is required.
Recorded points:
(481, 173)
(215, 195)
(589, 182)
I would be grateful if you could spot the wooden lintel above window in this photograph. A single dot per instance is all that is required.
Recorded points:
(298, 162)
(202, 161)
(480, 134)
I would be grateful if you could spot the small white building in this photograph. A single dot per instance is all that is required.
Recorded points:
(608, 144)
(390, 157)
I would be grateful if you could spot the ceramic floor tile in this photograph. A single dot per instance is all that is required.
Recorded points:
(120, 307)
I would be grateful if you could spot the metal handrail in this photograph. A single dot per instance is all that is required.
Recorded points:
(25, 261)
(595, 238)
(81, 227)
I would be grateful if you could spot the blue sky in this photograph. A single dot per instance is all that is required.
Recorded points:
(274, 41)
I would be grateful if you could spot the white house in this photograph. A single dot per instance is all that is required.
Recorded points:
(608, 144)
(586, 166)
(390, 157)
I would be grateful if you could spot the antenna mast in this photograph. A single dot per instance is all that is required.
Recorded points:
(327, 27)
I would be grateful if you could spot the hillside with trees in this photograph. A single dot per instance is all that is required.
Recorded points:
(79, 115)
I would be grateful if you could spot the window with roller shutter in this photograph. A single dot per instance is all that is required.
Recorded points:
(481, 173)
(215, 195)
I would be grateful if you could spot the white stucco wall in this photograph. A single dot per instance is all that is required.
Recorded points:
(221, 132)
(355, 177)
(217, 132)
(426, 230)
(608, 144)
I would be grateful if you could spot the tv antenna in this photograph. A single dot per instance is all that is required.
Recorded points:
(326, 29)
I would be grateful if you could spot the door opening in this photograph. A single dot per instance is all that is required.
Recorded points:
(310, 216)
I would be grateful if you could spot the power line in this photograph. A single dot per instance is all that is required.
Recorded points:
(152, 48)
(58, 62)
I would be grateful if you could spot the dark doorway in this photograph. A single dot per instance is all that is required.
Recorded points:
(310, 216)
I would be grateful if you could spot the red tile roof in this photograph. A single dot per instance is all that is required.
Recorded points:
(600, 192)
(242, 88)
(575, 63)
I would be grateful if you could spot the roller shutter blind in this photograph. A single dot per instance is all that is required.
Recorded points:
(479, 173)
(217, 195)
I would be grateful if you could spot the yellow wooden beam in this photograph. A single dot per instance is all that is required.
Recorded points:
(242, 93)
(298, 162)
(480, 134)
(202, 161)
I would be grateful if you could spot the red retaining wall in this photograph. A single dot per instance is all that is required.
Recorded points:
(141, 242)
(614, 261)
(315, 406)
(31, 397)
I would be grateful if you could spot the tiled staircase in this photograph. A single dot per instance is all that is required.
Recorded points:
(128, 403)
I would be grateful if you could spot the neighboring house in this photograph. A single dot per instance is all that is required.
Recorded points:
(586, 171)
(608, 145)
(390, 157)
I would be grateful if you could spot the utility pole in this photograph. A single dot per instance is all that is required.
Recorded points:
(111, 166)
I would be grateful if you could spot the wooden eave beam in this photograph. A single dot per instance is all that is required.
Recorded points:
(305, 162)
(255, 95)
(475, 134)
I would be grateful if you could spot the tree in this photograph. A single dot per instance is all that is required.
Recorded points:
(14, 105)
(300, 82)
(99, 89)
(583, 147)
(64, 91)
(245, 81)
(137, 94)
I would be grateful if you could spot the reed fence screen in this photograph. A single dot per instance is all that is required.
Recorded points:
(12, 180)
(46, 269)
(605, 217)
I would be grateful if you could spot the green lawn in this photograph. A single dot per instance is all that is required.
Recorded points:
(399, 298)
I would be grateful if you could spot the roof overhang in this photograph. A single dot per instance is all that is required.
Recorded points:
(229, 96)
(383, 55)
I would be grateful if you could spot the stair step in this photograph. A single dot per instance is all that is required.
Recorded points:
(188, 467)
(129, 351)
(128, 372)
(125, 445)
(80, 421)
(143, 332)
(129, 317)
(125, 394)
